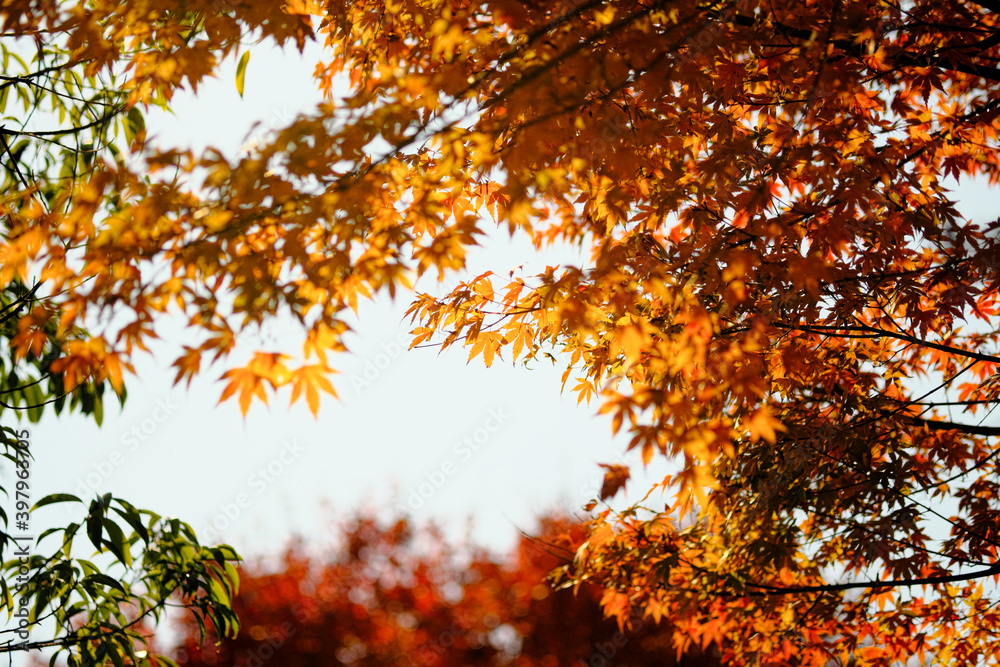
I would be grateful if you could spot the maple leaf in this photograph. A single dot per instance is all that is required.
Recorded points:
(585, 389)
(311, 379)
(248, 383)
(188, 365)
(614, 479)
(488, 343)
(763, 424)
(29, 339)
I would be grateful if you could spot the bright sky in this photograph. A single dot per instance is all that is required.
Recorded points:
(414, 430)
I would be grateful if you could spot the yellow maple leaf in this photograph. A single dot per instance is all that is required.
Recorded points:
(632, 341)
(248, 383)
(763, 424)
(309, 379)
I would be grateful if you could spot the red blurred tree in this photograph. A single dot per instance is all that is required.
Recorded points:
(397, 595)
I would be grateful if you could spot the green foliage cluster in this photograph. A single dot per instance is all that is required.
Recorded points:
(91, 589)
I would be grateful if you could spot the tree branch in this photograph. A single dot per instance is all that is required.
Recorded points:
(936, 425)
(830, 330)
(859, 50)
(887, 583)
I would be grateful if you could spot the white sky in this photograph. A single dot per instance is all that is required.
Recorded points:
(176, 452)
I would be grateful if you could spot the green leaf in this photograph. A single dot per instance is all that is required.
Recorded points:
(134, 125)
(74, 609)
(223, 552)
(116, 658)
(233, 575)
(132, 517)
(101, 578)
(46, 533)
(68, 540)
(95, 525)
(99, 412)
(8, 599)
(241, 71)
(20, 60)
(56, 498)
(41, 602)
(201, 625)
(35, 402)
(116, 542)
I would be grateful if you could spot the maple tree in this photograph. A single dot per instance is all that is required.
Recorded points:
(390, 593)
(783, 295)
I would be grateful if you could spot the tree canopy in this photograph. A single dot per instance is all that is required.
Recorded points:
(394, 594)
(783, 296)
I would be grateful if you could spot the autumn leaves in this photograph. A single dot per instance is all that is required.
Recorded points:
(763, 190)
